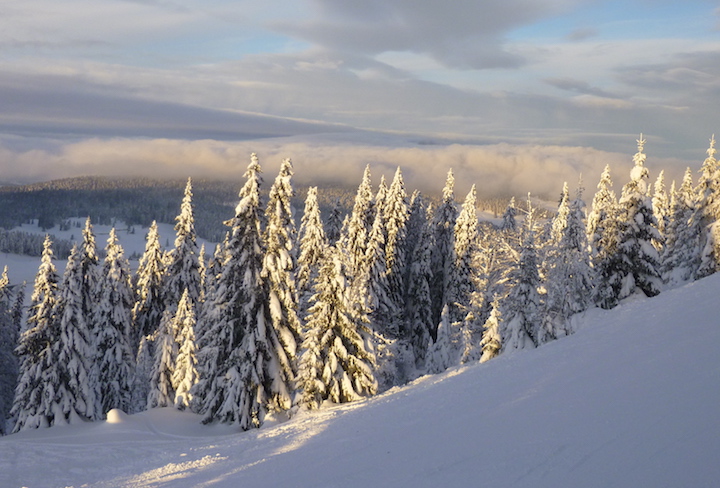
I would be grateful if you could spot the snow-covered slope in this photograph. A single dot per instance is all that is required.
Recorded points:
(631, 400)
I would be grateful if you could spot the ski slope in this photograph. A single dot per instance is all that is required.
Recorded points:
(631, 400)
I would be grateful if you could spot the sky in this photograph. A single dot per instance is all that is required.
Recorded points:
(171, 86)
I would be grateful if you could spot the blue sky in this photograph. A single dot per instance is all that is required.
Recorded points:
(87, 74)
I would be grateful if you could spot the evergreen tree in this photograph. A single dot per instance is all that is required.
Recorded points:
(509, 224)
(708, 213)
(373, 277)
(68, 373)
(462, 279)
(161, 392)
(354, 236)
(33, 349)
(279, 268)
(661, 207)
(113, 325)
(522, 325)
(681, 254)
(602, 234)
(185, 374)
(143, 372)
(569, 274)
(150, 278)
(418, 304)
(334, 223)
(395, 213)
(8, 343)
(183, 265)
(335, 364)
(312, 249)
(492, 341)
(242, 374)
(439, 354)
(443, 256)
(639, 265)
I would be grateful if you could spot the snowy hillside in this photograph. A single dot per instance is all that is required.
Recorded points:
(630, 400)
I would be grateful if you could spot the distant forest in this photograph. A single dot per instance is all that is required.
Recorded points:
(139, 201)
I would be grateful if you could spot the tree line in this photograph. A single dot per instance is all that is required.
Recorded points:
(281, 317)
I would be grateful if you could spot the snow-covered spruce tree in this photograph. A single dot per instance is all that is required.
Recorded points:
(523, 304)
(70, 393)
(491, 342)
(185, 374)
(462, 279)
(681, 253)
(89, 264)
(639, 264)
(395, 213)
(202, 269)
(8, 343)
(509, 223)
(334, 223)
(440, 354)
(29, 410)
(161, 392)
(661, 207)
(418, 302)
(602, 230)
(149, 280)
(242, 375)
(354, 236)
(183, 266)
(444, 219)
(335, 364)
(113, 325)
(313, 246)
(144, 364)
(569, 274)
(279, 268)
(707, 214)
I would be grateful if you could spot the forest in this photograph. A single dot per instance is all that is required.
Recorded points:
(339, 304)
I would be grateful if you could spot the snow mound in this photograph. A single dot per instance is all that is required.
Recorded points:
(116, 416)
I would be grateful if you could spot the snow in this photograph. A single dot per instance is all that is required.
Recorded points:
(629, 400)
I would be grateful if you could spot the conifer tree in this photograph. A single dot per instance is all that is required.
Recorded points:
(144, 364)
(354, 236)
(161, 392)
(334, 223)
(150, 278)
(569, 274)
(8, 343)
(68, 374)
(522, 325)
(183, 266)
(395, 213)
(243, 377)
(279, 268)
(462, 279)
(185, 374)
(681, 254)
(439, 354)
(602, 233)
(661, 207)
(418, 304)
(639, 265)
(491, 340)
(374, 280)
(335, 364)
(443, 257)
(312, 249)
(708, 213)
(33, 349)
(113, 325)
(509, 224)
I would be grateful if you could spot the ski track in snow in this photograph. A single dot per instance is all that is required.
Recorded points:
(630, 400)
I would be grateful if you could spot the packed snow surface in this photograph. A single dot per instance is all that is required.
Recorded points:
(631, 400)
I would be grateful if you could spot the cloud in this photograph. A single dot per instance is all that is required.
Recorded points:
(582, 34)
(464, 34)
(497, 169)
(578, 86)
